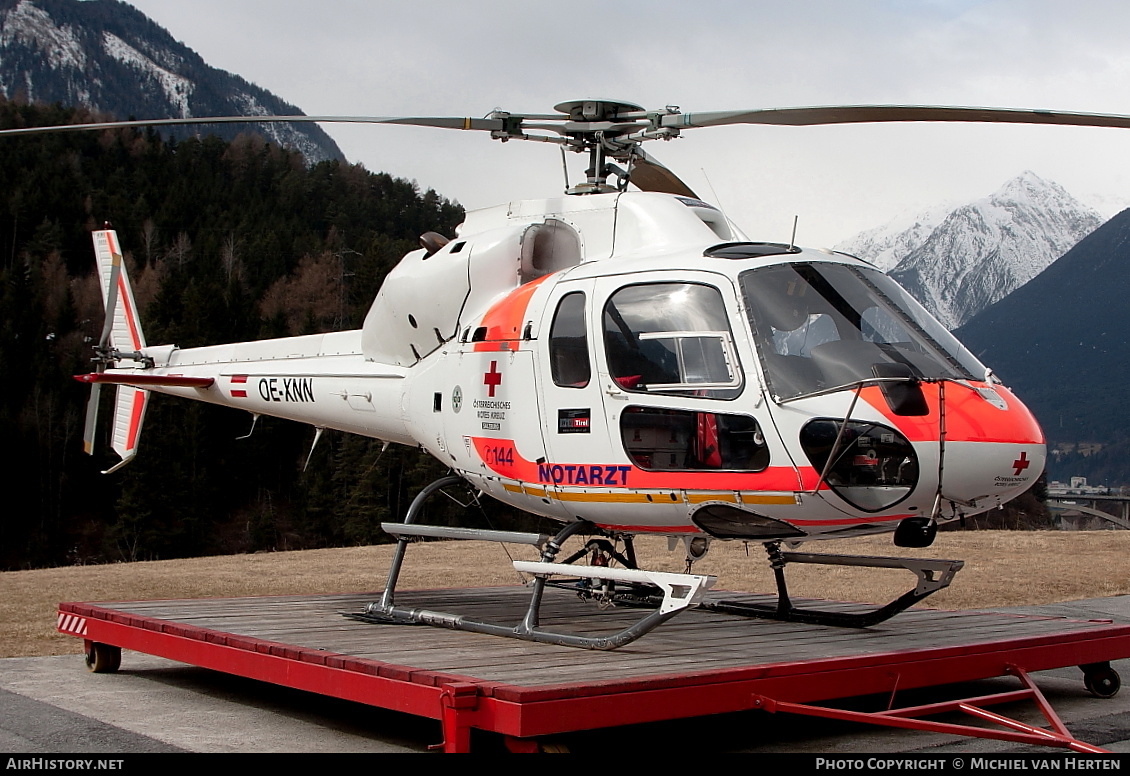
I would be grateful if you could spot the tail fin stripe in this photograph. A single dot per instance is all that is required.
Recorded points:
(126, 300)
(125, 328)
(137, 410)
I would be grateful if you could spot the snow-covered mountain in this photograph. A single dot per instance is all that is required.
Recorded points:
(1062, 343)
(107, 56)
(887, 245)
(959, 261)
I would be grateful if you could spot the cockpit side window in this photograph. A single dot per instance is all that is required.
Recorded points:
(673, 339)
(568, 343)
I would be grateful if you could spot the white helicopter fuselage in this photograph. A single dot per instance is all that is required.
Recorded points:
(632, 360)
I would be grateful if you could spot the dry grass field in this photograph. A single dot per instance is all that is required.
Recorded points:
(1002, 568)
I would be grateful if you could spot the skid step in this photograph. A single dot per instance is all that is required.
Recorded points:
(679, 590)
(470, 534)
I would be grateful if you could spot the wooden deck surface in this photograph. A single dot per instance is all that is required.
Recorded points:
(693, 643)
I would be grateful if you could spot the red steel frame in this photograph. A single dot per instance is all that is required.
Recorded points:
(908, 717)
(523, 713)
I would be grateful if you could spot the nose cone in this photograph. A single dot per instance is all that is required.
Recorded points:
(996, 471)
(991, 446)
(994, 448)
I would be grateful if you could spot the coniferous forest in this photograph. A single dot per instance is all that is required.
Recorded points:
(224, 242)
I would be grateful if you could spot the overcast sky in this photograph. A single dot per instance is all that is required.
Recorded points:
(371, 57)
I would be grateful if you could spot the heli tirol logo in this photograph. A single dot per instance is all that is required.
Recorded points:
(492, 378)
(1020, 464)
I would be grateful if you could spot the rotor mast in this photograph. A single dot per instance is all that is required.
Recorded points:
(604, 129)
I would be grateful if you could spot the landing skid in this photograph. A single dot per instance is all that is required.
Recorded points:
(674, 592)
(933, 575)
(666, 594)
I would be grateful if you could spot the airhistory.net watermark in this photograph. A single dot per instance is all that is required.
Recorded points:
(61, 764)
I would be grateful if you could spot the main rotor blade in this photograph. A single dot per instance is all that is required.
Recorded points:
(649, 175)
(796, 117)
(484, 125)
(860, 114)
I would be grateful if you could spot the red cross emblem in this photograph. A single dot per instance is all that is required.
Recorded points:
(493, 378)
(1020, 464)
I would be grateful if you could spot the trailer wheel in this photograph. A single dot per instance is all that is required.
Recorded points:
(1101, 680)
(103, 658)
(516, 745)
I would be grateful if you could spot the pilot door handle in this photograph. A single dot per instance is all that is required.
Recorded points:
(615, 392)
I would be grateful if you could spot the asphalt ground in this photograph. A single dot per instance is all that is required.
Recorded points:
(52, 705)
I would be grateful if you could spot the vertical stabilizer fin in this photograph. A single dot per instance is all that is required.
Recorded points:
(129, 413)
(121, 345)
(109, 269)
(126, 335)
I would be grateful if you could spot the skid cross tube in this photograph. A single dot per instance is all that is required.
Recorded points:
(933, 575)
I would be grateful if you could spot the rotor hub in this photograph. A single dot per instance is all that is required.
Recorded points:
(596, 110)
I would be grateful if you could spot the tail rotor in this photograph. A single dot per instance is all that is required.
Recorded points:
(121, 340)
(102, 349)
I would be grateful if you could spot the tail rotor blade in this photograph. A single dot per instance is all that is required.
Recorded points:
(91, 426)
(111, 301)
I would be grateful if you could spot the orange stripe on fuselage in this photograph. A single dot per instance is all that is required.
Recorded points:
(655, 529)
(799, 522)
(503, 321)
(969, 418)
(501, 457)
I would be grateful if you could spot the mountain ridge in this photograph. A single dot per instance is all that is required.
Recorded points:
(107, 56)
(1061, 340)
(958, 261)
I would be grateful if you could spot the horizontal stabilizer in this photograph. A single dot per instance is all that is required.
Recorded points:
(173, 381)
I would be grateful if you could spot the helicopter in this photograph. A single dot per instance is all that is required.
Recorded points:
(627, 362)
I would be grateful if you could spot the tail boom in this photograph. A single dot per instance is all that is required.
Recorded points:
(323, 380)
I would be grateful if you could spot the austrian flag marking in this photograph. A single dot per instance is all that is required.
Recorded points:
(240, 392)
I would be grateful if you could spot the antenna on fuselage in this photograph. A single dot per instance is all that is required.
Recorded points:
(713, 193)
(317, 435)
(792, 240)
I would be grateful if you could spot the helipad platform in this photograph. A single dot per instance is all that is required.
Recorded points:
(699, 663)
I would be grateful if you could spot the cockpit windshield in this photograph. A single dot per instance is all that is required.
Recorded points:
(818, 326)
